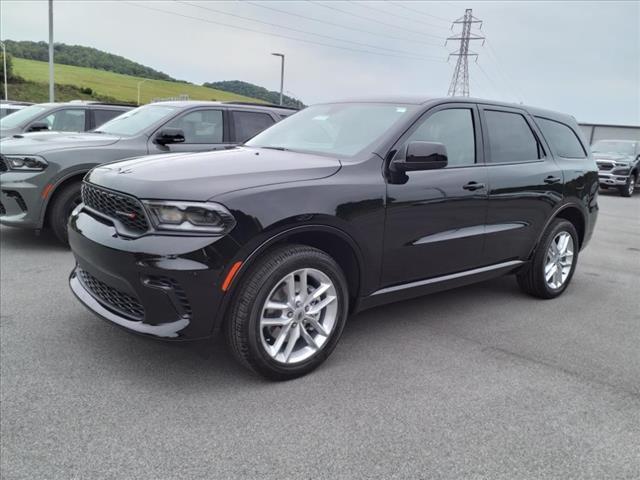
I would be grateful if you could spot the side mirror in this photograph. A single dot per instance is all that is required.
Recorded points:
(38, 126)
(421, 156)
(169, 135)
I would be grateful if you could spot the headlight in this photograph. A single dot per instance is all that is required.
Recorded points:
(196, 217)
(25, 162)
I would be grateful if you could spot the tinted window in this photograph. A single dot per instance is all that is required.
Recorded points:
(102, 116)
(201, 126)
(70, 120)
(563, 140)
(454, 129)
(247, 124)
(510, 138)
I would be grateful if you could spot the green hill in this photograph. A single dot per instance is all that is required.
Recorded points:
(111, 85)
(255, 91)
(81, 56)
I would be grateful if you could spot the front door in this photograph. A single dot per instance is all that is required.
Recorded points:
(435, 219)
(204, 130)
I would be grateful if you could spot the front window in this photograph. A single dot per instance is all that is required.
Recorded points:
(337, 129)
(137, 120)
(608, 146)
(22, 117)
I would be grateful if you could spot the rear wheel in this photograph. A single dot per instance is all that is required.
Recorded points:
(60, 210)
(553, 263)
(630, 187)
(289, 312)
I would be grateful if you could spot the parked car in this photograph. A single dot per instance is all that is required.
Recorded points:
(9, 107)
(338, 208)
(618, 164)
(75, 116)
(43, 171)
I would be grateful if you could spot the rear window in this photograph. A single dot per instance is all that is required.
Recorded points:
(248, 124)
(101, 116)
(562, 138)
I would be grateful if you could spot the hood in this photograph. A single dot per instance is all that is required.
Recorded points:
(201, 176)
(42, 142)
(612, 157)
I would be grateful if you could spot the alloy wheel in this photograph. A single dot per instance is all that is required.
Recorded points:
(299, 316)
(559, 260)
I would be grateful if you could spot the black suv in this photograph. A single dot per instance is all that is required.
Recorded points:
(338, 208)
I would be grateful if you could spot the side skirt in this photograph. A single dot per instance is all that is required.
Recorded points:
(431, 285)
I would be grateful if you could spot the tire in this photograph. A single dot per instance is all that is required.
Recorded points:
(532, 280)
(249, 339)
(61, 207)
(630, 187)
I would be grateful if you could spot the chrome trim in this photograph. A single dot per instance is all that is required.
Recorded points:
(444, 278)
(473, 231)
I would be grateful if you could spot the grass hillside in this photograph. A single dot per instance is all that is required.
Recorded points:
(117, 86)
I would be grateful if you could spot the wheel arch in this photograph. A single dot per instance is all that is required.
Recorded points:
(56, 189)
(572, 213)
(331, 240)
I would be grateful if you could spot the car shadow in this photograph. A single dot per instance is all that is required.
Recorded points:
(208, 365)
(24, 239)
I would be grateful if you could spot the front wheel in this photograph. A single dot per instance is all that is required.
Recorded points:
(630, 187)
(553, 262)
(60, 210)
(289, 312)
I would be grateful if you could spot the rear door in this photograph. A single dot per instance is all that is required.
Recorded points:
(525, 183)
(204, 129)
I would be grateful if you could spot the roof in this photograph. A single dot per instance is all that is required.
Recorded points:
(205, 103)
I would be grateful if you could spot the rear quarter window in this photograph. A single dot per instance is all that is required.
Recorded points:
(562, 138)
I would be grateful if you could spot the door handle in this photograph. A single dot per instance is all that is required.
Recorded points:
(551, 179)
(472, 186)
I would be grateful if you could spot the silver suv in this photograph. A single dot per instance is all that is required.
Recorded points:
(75, 116)
(41, 173)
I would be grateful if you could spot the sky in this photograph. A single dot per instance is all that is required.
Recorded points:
(582, 58)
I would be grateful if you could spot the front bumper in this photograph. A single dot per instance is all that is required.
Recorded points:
(157, 285)
(612, 179)
(21, 198)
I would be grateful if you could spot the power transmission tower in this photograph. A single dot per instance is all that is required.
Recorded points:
(460, 80)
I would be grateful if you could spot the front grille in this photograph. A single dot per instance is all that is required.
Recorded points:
(3, 211)
(605, 166)
(126, 210)
(113, 298)
(3, 164)
(160, 281)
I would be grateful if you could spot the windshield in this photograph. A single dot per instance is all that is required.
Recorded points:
(21, 117)
(136, 120)
(622, 148)
(337, 129)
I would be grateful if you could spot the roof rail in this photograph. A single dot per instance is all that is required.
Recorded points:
(257, 104)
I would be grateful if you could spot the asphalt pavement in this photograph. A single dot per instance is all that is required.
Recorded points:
(478, 382)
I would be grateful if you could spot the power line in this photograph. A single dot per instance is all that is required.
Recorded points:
(312, 42)
(295, 29)
(360, 4)
(508, 80)
(375, 21)
(347, 27)
(421, 13)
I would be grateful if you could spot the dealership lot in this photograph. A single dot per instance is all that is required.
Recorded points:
(485, 383)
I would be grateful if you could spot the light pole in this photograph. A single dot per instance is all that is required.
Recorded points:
(281, 55)
(51, 81)
(4, 69)
(140, 83)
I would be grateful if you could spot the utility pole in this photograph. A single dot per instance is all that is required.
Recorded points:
(4, 66)
(460, 80)
(281, 73)
(51, 81)
(139, 85)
